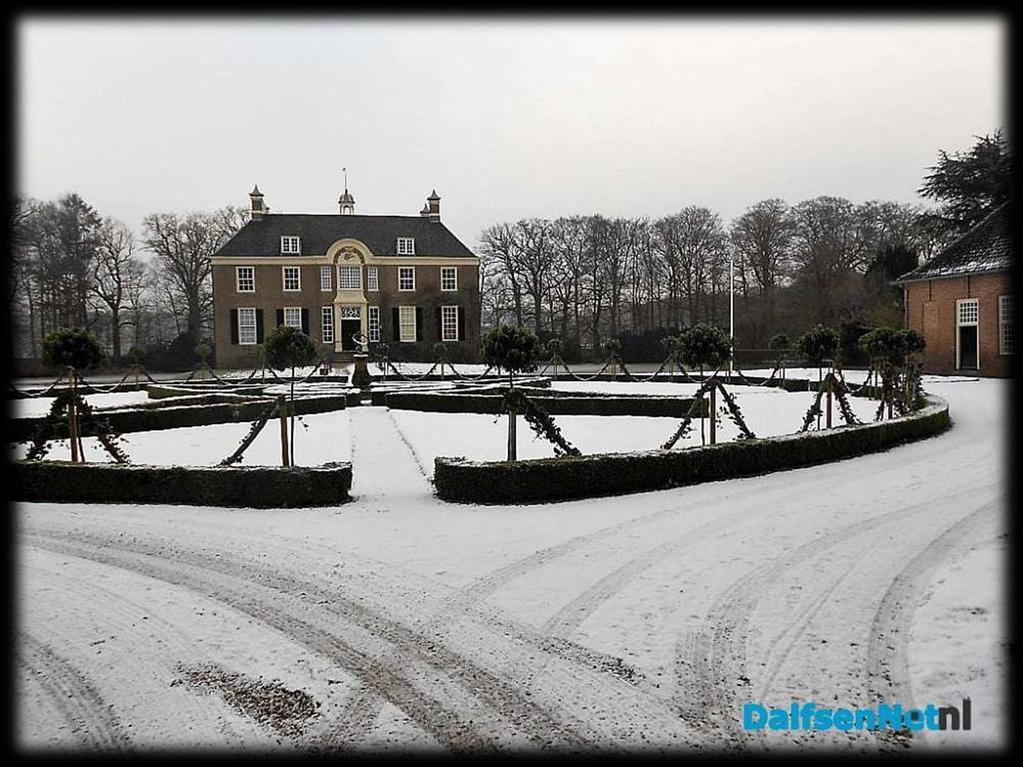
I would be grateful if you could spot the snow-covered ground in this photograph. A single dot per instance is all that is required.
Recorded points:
(767, 411)
(632, 622)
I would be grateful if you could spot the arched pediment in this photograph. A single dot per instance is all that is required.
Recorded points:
(348, 250)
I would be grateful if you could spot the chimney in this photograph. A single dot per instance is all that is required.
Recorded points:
(258, 209)
(433, 206)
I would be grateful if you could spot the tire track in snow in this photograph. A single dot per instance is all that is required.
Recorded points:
(246, 588)
(73, 695)
(717, 654)
(173, 643)
(887, 667)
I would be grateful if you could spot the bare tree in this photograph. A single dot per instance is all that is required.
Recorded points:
(183, 245)
(762, 238)
(499, 248)
(116, 272)
(828, 245)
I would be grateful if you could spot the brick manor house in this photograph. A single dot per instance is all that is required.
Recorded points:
(406, 281)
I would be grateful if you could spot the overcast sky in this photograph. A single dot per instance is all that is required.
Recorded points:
(505, 118)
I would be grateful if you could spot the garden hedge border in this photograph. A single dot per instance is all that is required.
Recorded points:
(554, 479)
(148, 417)
(259, 487)
(562, 403)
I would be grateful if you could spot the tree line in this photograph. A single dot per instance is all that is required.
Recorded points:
(824, 260)
(152, 295)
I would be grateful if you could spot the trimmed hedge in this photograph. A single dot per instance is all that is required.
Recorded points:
(259, 487)
(551, 479)
(173, 416)
(555, 404)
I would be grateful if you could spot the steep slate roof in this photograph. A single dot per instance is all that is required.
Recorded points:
(262, 236)
(987, 247)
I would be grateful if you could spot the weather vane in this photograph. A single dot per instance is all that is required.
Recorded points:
(345, 171)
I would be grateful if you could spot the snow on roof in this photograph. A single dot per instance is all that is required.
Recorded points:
(987, 247)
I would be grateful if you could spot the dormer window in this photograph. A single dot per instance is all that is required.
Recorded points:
(290, 246)
(406, 246)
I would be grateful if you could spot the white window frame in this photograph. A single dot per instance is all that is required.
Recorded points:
(251, 279)
(372, 278)
(349, 269)
(407, 270)
(298, 279)
(327, 324)
(405, 312)
(373, 323)
(326, 278)
(453, 271)
(962, 308)
(445, 313)
(406, 246)
(291, 245)
(298, 311)
(242, 326)
(1006, 328)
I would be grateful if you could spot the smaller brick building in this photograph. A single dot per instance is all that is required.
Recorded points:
(962, 302)
(402, 280)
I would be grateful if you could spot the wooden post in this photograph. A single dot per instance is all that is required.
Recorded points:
(511, 435)
(713, 415)
(72, 419)
(282, 412)
(828, 421)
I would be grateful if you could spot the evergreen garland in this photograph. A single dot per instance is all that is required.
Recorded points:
(254, 429)
(539, 420)
(107, 437)
(735, 413)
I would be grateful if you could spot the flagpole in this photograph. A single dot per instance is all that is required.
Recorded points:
(731, 310)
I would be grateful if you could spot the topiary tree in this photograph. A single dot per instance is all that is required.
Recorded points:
(74, 350)
(704, 346)
(288, 347)
(516, 350)
(817, 344)
(891, 350)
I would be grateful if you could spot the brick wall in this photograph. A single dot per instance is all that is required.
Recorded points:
(931, 310)
(269, 296)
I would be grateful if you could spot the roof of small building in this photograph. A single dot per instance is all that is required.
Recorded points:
(987, 247)
(262, 236)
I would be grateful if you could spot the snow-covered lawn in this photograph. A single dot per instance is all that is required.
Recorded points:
(40, 406)
(319, 438)
(327, 436)
(632, 622)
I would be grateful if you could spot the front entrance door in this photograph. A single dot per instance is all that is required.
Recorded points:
(967, 345)
(349, 328)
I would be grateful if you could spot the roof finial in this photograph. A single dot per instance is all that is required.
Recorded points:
(345, 171)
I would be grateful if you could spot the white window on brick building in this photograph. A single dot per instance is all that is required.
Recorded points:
(327, 323)
(373, 323)
(449, 323)
(406, 246)
(247, 326)
(293, 316)
(349, 277)
(969, 311)
(372, 278)
(290, 246)
(1006, 330)
(448, 278)
(406, 323)
(246, 277)
(325, 277)
(292, 278)
(406, 278)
